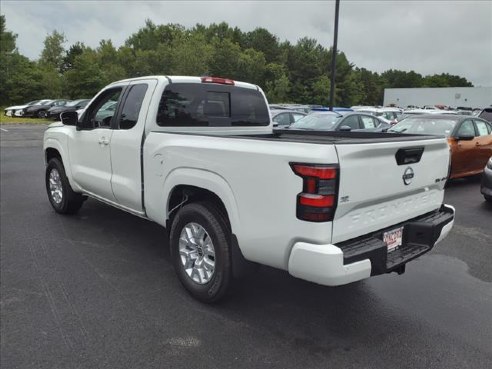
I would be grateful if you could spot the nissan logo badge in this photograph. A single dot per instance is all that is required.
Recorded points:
(408, 176)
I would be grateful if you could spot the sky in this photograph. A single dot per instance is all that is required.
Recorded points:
(425, 36)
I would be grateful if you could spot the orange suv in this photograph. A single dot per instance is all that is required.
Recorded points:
(470, 139)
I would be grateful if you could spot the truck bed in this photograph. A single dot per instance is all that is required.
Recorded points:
(335, 137)
(320, 137)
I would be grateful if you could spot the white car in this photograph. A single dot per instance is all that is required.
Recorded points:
(387, 114)
(14, 110)
(198, 155)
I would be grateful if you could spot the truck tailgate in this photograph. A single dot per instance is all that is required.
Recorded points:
(385, 183)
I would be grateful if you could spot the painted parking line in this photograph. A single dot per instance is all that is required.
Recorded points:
(5, 130)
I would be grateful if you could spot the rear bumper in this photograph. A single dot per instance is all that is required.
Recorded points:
(366, 256)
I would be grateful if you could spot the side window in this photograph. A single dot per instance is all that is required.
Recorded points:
(132, 105)
(297, 116)
(351, 121)
(182, 105)
(282, 119)
(368, 122)
(100, 113)
(482, 127)
(466, 129)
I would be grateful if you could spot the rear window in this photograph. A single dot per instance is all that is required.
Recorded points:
(212, 105)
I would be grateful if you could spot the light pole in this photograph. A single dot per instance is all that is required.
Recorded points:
(334, 55)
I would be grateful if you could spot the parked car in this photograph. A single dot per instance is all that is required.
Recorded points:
(340, 121)
(20, 112)
(197, 156)
(284, 118)
(486, 187)
(470, 139)
(335, 108)
(106, 111)
(9, 111)
(41, 110)
(389, 115)
(486, 114)
(55, 111)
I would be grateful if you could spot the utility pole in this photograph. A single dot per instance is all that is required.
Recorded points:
(334, 55)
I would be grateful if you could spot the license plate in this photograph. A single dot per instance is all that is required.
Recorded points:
(393, 238)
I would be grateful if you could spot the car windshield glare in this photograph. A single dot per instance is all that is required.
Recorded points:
(425, 126)
(316, 122)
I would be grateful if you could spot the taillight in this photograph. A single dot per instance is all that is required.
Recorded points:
(222, 81)
(318, 200)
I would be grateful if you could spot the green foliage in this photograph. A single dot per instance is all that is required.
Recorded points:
(53, 52)
(297, 73)
(7, 39)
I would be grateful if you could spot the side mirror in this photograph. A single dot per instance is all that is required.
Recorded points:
(275, 124)
(345, 129)
(69, 118)
(465, 137)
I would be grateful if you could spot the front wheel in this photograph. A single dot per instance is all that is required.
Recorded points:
(200, 252)
(42, 114)
(63, 199)
(488, 198)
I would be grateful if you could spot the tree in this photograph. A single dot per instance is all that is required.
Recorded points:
(86, 78)
(70, 55)
(277, 83)
(53, 52)
(225, 58)
(8, 51)
(262, 40)
(7, 39)
(191, 55)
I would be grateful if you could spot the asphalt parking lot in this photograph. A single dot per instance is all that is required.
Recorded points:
(97, 290)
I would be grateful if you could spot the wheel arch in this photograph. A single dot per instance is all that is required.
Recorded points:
(199, 185)
(185, 193)
(53, 148)
(182, 194)
(50, 153)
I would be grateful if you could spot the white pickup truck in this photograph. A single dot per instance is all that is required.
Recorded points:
(198, 155)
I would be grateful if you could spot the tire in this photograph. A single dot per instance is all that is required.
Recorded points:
(63, 199)
(204, 283)
(42, 114)
(488, 198)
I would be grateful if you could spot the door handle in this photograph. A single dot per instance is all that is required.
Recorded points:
(103, 141)
(477, 143)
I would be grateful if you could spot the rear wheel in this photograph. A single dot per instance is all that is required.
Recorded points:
(488, 198)
(199, 241)
(63, 199)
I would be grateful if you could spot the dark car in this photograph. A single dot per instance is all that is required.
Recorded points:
(486, 187)
(284, 118)
(41, 110)
(55, 111)
(469, 138)
(486, 114)
(340, 121)
(335, 108)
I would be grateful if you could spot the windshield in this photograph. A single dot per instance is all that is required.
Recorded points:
(46, 102)
(425, 126)
(325, 122)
